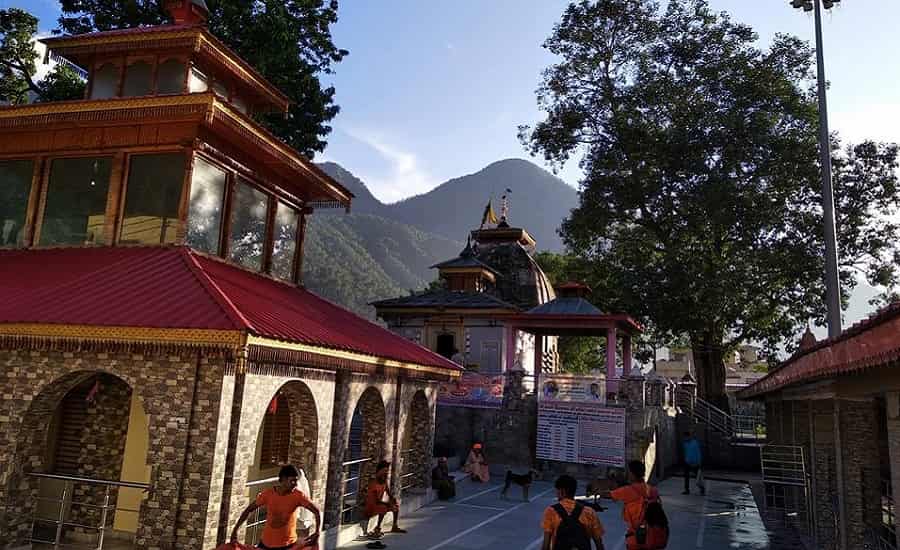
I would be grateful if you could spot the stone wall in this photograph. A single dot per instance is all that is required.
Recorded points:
(180, 426)
(862, 489)
(416, 433)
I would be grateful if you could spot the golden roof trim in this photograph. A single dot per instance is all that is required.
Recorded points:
(347, 355)
(190, 337)
(111, 104)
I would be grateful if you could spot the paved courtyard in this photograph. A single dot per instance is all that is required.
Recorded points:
(726, 517)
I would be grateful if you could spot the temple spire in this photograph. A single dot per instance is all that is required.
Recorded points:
(187, 12)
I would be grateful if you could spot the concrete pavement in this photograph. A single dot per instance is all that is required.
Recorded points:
(478, 519)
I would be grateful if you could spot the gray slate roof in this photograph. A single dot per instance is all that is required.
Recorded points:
(566, 306)
(447, 298)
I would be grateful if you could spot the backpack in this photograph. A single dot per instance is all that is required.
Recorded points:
(653, 531)
(571, 534)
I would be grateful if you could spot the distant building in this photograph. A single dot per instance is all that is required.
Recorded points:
(743, 366)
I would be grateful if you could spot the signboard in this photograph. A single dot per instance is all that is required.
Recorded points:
(584, 433)
(473, 390)
(573, 388)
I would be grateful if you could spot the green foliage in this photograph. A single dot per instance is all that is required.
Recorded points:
(18, 64)
(288, 42)
(700, 205)
(356, 259)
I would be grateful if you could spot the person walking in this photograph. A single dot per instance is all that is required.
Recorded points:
(570, 525)
(636, 498)
(693, 463)
(281, 503)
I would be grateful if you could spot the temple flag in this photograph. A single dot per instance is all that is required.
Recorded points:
(488, 216)
(273, 405)
(91, 395)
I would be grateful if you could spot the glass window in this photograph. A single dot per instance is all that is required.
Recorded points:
(15, 185)
(105, 82)
(170, 77)
(197, 81)
(205, 213)
(284, 242)
(76, 201)
(248, 225)
(152, 198)
(219, 89)
(138, 79)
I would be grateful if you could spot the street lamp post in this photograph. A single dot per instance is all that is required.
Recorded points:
(832, 283)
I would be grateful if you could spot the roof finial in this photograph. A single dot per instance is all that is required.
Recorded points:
(504, 208)
(187, 12)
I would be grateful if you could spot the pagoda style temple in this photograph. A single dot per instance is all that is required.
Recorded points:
(160, 357)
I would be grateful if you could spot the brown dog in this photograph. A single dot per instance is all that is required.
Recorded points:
(523, 480)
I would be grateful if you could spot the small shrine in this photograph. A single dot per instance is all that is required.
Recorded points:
(161, 356)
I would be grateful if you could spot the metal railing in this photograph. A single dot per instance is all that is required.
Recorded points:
(256, 523)
(65, 504)
(352, 470)
(749, 426)
(407, 477)
(737, 427)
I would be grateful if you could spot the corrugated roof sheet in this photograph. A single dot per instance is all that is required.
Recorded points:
(175, 287)
(873, 342)
(447, 299)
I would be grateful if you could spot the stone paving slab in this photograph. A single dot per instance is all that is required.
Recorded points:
(479, 519)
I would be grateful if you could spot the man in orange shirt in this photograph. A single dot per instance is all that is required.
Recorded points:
(380, 501)
(634, 496)
(570, 523)
(281, 503)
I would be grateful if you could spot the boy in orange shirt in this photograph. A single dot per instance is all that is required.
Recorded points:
(281, 503)
(377, 504)
(563, 513)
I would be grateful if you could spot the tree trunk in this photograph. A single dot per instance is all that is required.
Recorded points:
(709, 365)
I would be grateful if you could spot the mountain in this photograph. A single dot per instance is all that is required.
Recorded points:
(539, 202)
(383, 250)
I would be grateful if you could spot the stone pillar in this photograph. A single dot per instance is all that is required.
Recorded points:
(509, 333)
(626, 355)
(656, 392)
(538, 356)
(611, 384)
(340, 430)
(892, 409)
(824, 471)
(632, 391)
(862, 479)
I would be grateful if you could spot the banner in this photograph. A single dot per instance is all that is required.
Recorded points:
(573, 388)
(583, 433)
(473, 390)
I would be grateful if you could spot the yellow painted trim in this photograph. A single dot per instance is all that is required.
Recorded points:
(346, 355)
(88, 105)
(274, 94)
(230, 338)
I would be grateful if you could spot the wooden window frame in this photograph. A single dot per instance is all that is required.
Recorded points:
(276, 432)
(122, 191)
(33, 194)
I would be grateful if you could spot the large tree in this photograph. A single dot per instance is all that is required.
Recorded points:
(18, 65)
(288, 41)
(701, 200)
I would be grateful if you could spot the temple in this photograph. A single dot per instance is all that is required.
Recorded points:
(160, 355)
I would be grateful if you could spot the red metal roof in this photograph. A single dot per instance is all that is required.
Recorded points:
(176, 287)
(873, 342)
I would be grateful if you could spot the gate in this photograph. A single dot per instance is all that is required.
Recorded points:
(784, 473)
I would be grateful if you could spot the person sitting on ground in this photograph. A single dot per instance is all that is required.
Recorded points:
(693, 463)
(380, 501)
(442, 481)
(477, 465)
(635, 496)
(569, 524)
(281, 503)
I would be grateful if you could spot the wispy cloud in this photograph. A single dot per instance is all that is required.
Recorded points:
(404, 178)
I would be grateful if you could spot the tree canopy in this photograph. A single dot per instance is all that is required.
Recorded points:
(289, 42)
(700, 203)
(18, 64)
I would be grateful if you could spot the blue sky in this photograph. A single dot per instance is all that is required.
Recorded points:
(435, 89)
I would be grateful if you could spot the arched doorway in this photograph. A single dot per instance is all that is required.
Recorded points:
(365, 447)
(82, 461)
(288, 434)
(415, 453)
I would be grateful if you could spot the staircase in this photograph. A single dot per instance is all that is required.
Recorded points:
(737, 429)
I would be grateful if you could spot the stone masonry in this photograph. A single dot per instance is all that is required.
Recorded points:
(36, 381)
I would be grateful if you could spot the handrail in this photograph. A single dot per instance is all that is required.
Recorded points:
(357, 461)
(91, 481)
(257, 482)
